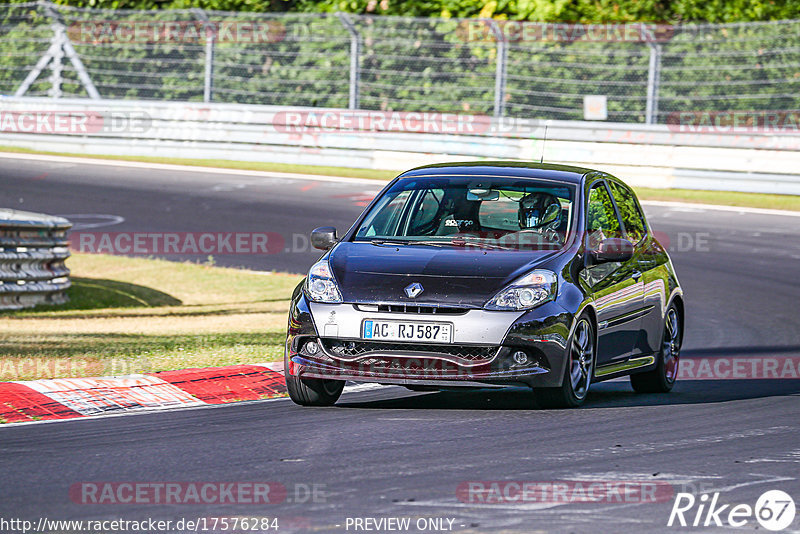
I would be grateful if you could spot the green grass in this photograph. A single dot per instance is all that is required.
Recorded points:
(132, 315)
(726, 198)
(227, 164)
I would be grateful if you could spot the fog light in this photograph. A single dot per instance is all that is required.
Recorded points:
(520, 358)
(311, 348)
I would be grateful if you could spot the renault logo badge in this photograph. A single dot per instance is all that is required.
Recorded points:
(414, 290)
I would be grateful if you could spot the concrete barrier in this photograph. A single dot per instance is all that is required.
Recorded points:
(660, 156)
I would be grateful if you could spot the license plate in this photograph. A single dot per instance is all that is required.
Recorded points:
(384, 330)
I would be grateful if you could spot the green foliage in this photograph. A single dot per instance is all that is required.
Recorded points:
(537, 10)
(629, 212)
(569, 10)
(25, 35)
(439, 64)
(601, 215)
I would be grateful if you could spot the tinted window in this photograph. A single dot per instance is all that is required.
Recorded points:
(601, 219)
(629, 210)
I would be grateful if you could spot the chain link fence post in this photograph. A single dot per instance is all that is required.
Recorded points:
(210, 34)
(208, 78)
(500, 70)
(355, 63)
(56, 65)
(653, 81)
(69, 51)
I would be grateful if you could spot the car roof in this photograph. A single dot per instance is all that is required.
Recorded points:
(517, 169)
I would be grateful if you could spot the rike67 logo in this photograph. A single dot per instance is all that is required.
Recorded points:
(774, 510)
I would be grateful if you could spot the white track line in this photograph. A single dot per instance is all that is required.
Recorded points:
(323, 178)
(189, 168)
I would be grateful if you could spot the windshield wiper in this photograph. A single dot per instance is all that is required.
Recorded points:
(460, 242)
(455, 242)
(397, 242)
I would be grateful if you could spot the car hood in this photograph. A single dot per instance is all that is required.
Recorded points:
(449, 276)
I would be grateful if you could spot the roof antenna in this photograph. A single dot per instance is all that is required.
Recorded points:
(541, 160)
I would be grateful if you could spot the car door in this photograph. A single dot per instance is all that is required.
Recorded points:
(616, 287)
(654, 290)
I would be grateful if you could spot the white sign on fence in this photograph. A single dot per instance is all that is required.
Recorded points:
(595, 107)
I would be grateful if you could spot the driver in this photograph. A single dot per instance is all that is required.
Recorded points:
(540, 212)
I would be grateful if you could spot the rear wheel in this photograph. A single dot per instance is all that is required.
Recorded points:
(578, 372)
(312, 391)
(662, 378)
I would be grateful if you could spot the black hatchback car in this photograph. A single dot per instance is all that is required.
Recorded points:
(488, 275)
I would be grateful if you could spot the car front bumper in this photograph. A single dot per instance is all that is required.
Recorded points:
(481, 354)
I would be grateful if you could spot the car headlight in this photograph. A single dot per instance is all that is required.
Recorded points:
(535, 288)
(321, 285)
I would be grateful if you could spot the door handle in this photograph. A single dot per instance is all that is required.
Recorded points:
(636, 275)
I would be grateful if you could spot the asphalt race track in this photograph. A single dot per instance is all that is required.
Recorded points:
(388, 452)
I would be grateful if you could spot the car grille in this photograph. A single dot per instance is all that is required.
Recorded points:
(405, 308)
(357, 350)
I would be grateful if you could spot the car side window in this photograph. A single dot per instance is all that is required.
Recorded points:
(632, 216)
(385, 220)
(601, 223)
(601, 217)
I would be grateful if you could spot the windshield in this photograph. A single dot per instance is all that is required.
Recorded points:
(490, 212)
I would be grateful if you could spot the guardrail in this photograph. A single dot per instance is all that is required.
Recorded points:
(691, 156)
(33, 248)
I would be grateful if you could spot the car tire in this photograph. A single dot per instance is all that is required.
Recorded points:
(662, 378)
(577, 371)
(313, 391)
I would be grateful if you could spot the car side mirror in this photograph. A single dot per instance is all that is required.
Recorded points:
(323, 238)
(613, 249)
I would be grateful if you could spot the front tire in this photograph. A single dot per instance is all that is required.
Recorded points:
(313, 391)
(662, 378)
(578, 371)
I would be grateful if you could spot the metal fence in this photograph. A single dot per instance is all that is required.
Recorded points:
(33, 248)
(645, 72)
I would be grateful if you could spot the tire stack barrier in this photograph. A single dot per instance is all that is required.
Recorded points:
(33, 249)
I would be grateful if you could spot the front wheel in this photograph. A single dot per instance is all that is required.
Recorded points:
(662, 378)
(578, 372)
(313, 391)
